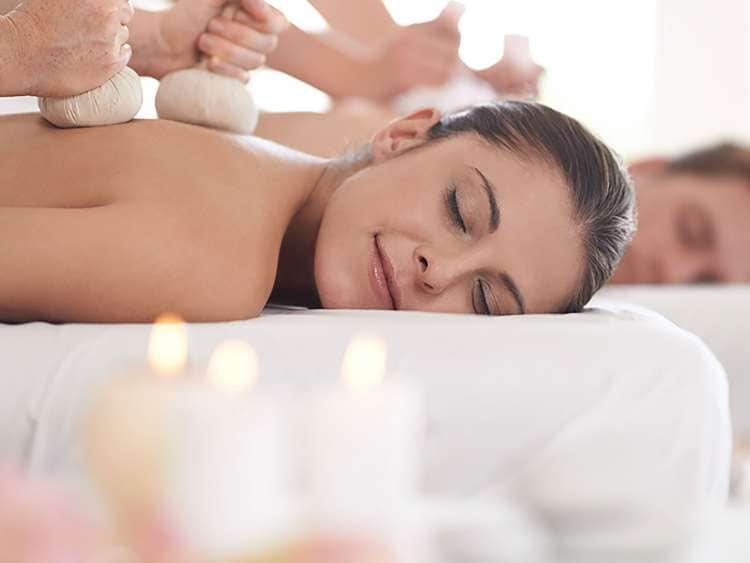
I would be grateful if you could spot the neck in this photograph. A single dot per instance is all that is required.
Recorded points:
(295, 277)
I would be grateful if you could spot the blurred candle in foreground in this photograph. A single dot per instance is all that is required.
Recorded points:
(205, 450)
(364, 449)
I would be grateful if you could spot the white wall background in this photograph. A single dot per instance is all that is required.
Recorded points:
(703, 79)
(648, 75)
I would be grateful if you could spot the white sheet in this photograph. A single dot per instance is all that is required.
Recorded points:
(611, 409)
(719, 315)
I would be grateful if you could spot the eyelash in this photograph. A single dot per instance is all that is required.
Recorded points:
(485, 309)
(454, 211)
(693, 237)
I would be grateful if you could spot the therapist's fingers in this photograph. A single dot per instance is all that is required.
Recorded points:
(258, 9)
(122, 49)
(243, 35)
(215, 64)
(230, 53)
(446, 24)
(126, 12)
(121, 38)
(274, 24)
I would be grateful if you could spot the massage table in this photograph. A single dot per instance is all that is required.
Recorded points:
(612, 425)
(719, 315)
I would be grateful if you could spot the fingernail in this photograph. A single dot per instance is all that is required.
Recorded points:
(215, 26)
(261, 7)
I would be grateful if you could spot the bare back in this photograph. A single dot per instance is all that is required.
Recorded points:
(122, 223)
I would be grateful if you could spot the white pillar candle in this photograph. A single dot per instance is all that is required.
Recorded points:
(204, 450)
(364, 448)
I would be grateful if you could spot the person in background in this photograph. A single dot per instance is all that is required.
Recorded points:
(66, 47)
(694, 219)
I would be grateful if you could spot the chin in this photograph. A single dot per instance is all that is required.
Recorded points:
(333, 285)
(336, 296)
(339, 289)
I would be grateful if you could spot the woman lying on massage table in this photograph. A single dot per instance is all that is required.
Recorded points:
(503, 209)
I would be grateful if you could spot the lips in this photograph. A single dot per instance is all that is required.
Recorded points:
(382, 277)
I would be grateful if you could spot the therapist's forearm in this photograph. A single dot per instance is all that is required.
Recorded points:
(14, 79)
(316, 61)
(367, 21)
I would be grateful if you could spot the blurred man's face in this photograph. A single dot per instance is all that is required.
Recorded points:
(692, 229)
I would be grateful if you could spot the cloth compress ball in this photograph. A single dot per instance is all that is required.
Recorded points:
(201, 97)
(115, 101)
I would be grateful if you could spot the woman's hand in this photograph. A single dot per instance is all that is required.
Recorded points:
(195, 27)
(65, 47)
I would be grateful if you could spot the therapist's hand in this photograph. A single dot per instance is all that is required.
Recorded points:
(234, 47)
(518, 80)
(424, 54)
(66, 47)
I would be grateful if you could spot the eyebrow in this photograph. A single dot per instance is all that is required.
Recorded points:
(511, 286)
(489, 189)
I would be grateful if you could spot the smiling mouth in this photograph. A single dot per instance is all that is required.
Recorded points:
(381, 276)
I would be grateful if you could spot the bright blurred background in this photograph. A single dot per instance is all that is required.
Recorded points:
(647, 75)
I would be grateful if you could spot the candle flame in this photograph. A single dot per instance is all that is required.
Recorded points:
(167, 347)
(233, 367)
(364, 362)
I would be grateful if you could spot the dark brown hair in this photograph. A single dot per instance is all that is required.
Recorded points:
(603, 196)
(722, 160)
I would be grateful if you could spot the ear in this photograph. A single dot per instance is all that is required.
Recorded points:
(404, 134)
(647, 167)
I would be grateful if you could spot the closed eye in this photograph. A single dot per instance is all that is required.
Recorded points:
(694, 228)
(479, 297)
(454, 211)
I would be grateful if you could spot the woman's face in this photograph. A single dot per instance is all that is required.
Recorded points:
(456, 226)
(692, 229)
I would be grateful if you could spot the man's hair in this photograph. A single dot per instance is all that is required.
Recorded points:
(723, 160)
(603, 196)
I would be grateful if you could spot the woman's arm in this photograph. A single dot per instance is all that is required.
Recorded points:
(124, 262)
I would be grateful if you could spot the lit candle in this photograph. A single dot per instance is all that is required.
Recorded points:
(364, 444)
(207, 452)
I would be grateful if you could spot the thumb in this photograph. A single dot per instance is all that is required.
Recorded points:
(452, 14)
(258, 9)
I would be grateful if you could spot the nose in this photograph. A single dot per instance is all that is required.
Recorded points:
(435, 272)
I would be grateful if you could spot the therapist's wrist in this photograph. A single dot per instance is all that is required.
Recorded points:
(15, 76)
(376, 82)
(151, 55)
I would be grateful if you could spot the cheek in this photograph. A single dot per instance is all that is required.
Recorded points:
(656, 216)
